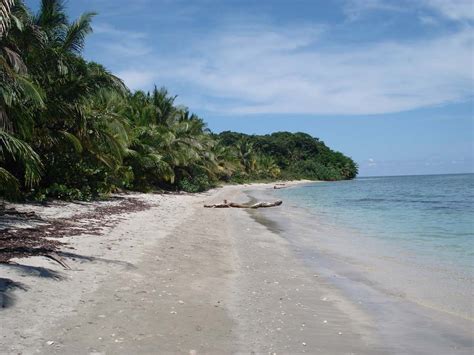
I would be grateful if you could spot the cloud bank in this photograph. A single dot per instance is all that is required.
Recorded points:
(250, 68)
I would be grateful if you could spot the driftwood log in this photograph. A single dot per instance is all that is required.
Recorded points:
(227, 204)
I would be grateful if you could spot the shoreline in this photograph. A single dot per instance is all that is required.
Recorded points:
(370, 277)
(177, 278)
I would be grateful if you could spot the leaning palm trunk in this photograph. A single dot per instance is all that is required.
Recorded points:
(5, 15)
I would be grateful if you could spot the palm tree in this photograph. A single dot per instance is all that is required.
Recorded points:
(5, 15)
(267, 166)
(15, 150)
(227, 160)
(246, 155)
(18, 95)
(75, 130)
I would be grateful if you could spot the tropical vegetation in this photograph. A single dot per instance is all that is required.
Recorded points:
(70, 129)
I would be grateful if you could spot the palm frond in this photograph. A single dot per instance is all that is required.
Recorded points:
(51, 14)
(71, 138)
(76, 33)
(20, 151)
(5, 15)
(32, 92)
(15, 60)
(7, 181)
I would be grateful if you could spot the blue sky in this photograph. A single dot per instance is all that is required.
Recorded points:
(388, 82)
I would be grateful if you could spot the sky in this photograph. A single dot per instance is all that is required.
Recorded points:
(387, 82)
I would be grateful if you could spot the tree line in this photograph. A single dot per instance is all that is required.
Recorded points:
(70, 129)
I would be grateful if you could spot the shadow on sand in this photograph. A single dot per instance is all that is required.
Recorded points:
(7, 298)
(93, 259)
(6, 286)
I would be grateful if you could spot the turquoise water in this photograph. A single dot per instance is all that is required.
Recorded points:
(400, 249)
(429, 216)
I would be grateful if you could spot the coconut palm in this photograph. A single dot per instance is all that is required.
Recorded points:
(15, 150)
(267, 166)
(227, 160)
(18, 96)
(5, 15)
(94, 135)
(246, 155)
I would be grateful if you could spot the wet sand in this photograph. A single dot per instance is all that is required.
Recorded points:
(413, 309)
(179, 278)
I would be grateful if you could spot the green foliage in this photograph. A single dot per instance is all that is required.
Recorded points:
(63, 192)
(69, 129)
(196, 183)
(289, 156)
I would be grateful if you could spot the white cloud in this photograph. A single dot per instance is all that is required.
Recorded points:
(427, 20)
(137, 79)
(106, 29)
(355, 9)
(131, 49)
(457, 10)
(453, 9)
(255, 69)
(276, 70)
(120, 43)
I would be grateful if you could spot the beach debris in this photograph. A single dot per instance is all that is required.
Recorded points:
(50, 342)
(13, 211)
(42, 239)
(227, 204)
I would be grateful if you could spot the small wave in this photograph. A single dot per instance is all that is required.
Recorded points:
(368, 199)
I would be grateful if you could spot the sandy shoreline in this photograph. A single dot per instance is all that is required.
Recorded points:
(397, 295)
(182, 279)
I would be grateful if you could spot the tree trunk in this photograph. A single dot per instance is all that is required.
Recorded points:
(226, 204)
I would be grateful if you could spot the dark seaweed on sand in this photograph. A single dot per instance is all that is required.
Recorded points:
(43, 239)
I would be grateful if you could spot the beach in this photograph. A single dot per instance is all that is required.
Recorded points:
(175, 277)
(182, 279)
(396, 247)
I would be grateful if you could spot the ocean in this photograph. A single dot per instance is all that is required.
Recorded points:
(430, 216)
(399, 248)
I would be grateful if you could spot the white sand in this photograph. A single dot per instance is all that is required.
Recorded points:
(178, 278)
